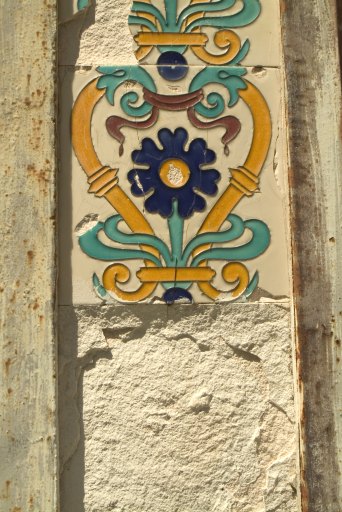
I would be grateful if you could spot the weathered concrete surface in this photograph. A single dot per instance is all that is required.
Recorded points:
(96, 35)
(178, 408)
(28, 451)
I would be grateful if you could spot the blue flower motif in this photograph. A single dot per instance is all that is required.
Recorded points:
(173, 173)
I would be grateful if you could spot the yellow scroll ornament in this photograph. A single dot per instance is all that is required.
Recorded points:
(244, 182)
(104, 183)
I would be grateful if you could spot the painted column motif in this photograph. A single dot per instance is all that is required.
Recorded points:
(174, 232)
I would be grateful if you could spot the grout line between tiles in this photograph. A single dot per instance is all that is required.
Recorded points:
(94, 66)
(204, 304)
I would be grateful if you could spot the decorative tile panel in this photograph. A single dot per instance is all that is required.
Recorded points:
(177, 169)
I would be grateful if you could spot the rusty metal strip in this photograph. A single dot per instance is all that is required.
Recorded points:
(314, 115)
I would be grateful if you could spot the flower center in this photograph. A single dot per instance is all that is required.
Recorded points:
(174, 173)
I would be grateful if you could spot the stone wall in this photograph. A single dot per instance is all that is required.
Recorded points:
(166, 408)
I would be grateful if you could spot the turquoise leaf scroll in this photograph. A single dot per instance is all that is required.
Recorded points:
(230, 77)
(114, 76)
(93, 247)
(172, 22)
(249, 12)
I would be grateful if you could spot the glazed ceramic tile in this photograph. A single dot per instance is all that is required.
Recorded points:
(176, 186)
(174, 167)
(221, 32)
(224, 32)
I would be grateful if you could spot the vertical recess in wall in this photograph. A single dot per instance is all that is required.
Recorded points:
(174, 258)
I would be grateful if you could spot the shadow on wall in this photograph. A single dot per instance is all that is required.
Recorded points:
(70, 30)
(71, 434)
(339, 24)
(70, 413)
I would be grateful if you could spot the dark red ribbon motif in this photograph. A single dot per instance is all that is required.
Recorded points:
(114, 124)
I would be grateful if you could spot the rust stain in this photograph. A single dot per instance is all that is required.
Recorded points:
(282, 6)
(304, 493)
(9, 391)
(7, 364)
(30, 255)
(36, 99)
(43, 175)
(303, 477)
(339, 26)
